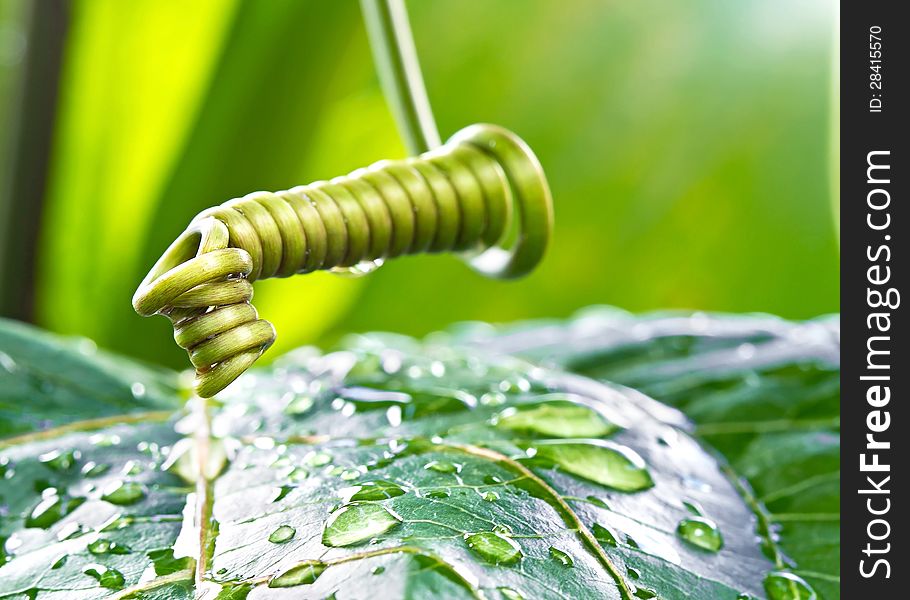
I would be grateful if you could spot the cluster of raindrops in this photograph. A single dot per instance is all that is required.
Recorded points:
(548, 430)
(64, 479)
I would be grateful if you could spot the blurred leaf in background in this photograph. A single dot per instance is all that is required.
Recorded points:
(687, 145)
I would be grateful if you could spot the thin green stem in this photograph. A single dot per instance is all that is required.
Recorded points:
(399, 72)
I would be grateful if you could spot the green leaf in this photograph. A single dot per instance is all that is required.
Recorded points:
(62, 381)
(386, 466)
(762, 391)
(397, 472)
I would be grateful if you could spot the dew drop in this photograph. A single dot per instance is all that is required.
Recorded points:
(105, 546)
(598, 502)
(302, 574)
(283, 534)
(59, 460)
(377, 570)
(111, 579)
(280, 492)
(437, 494)
(350, 474)
(603, 535)
(93, 469)
(354, 523)
(701, 532)
(442, 467)
(131, 467)
(644, 593)
(362, 268)
(137, 390)
(694, 508)
(299, 405)
(123, 493)
(377, 490)
(47, 512)
(612, 465)
(780, 585)
(60, 561)
(556, 419)
(563, 558)
(634, 573)
(494, 548)
(510, 594)
(317, 459)
(490, 496)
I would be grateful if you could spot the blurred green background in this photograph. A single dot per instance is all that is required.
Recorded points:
(687, 145)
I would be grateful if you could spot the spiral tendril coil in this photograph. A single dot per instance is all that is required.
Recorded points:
(482, 194)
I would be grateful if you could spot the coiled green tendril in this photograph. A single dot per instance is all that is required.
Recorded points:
(463, 197)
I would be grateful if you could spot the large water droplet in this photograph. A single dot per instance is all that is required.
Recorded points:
(111, 579)
(510, 594)
(644, 593)
(280, 492)
(317, 459)
(701, 532)
(563, 558)
(780, 585)
(47, 512)
(362, 268)
(283, 534)
(603, 535)
(301, 574)
(123, 493)
(93, 469)
(442, 467)
(556, 419)
(376, 490)
(104, 546)
(59, 460)
(494, 548)
(355, 523)
(612, 465)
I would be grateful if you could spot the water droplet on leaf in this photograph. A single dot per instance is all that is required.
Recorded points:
(780, 585)
(556, 419)
(283, 534)
(302, 574)
(701, 532)
(46, 513)
(510, 594)
(442, 467)
(111, 579)
(93, 469)
(494, 548)
(59, 460)
(354, 523)
(123, 493)
(563, 558)
(603, 535)
(608, 464)
(104, 546)
(376, 490)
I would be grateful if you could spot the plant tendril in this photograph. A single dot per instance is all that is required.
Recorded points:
(482, 194)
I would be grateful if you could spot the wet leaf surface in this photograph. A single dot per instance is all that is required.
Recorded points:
(390, 469)
(762, 391)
